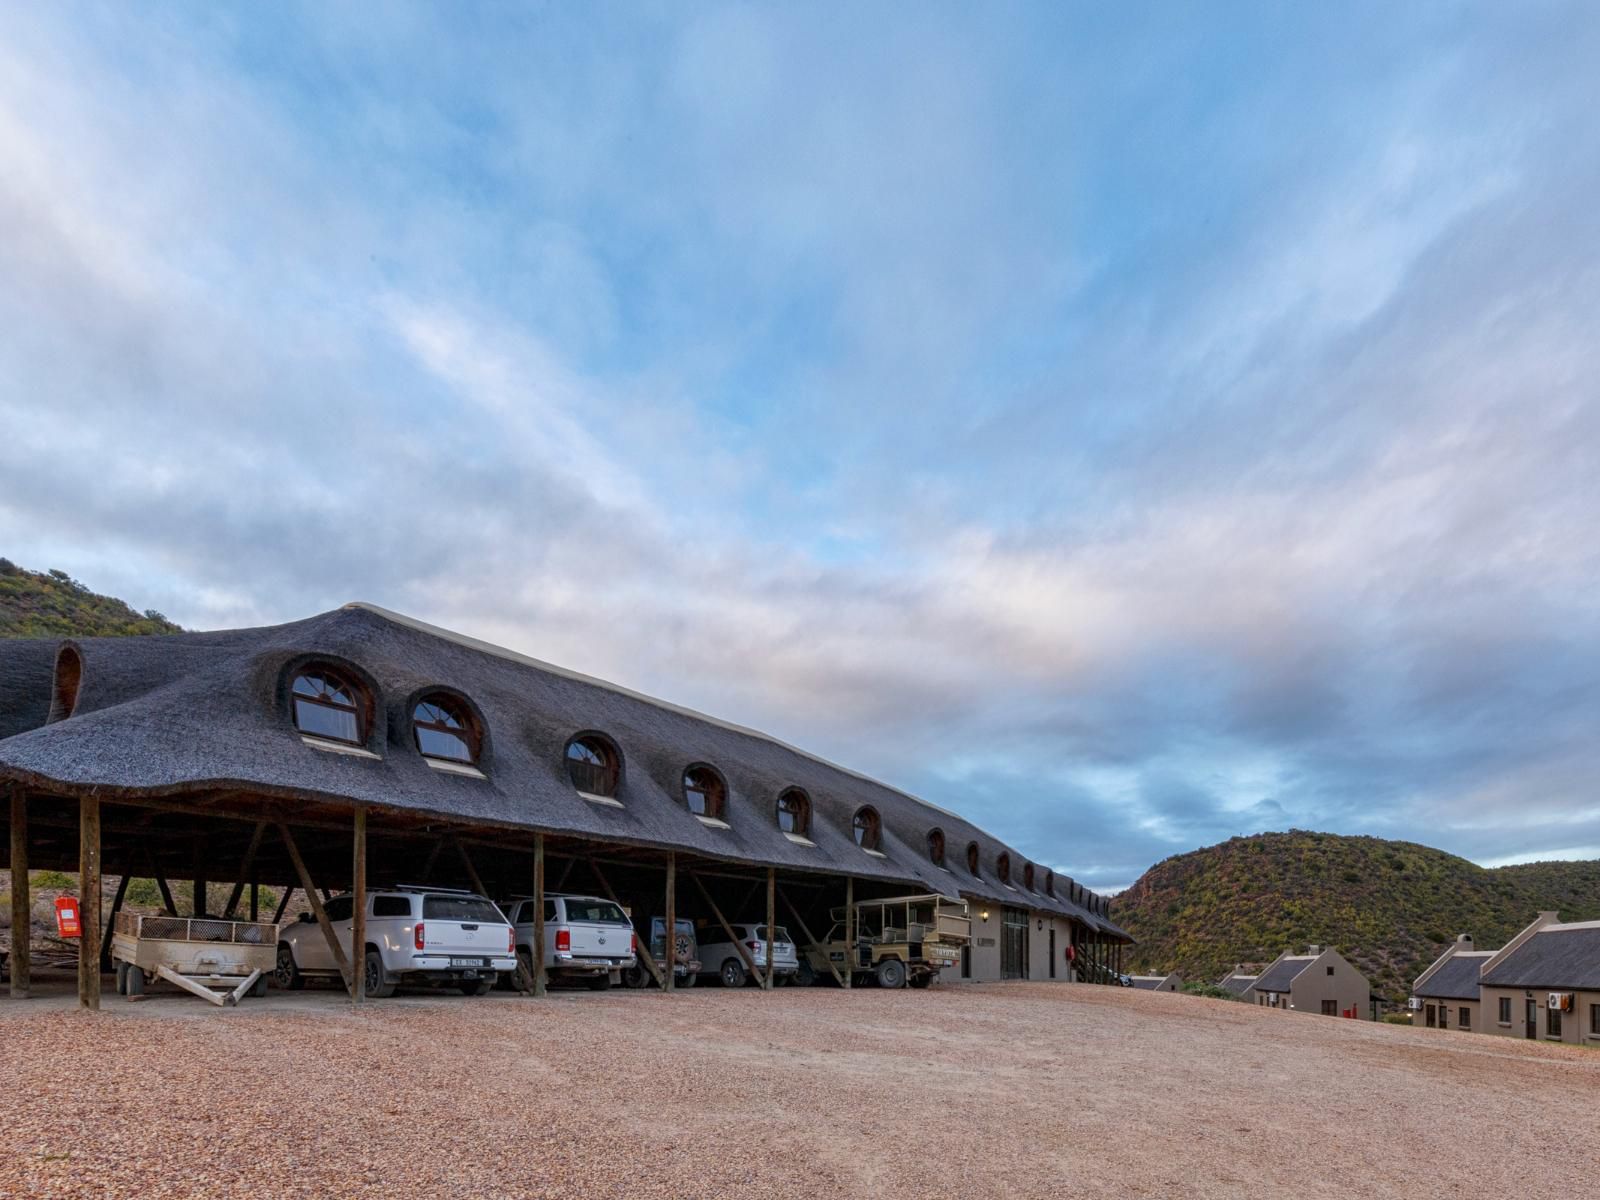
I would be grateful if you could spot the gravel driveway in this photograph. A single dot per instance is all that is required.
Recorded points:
(1018, 1090)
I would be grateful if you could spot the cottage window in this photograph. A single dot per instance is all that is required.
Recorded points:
(1330, 1008)
(936, 847)
(444, 728)
(1594, 1019)
(1027, 876)
(1464, 1018)
(867, 828)
(326, 705)
(704, 792)
(794, 812)
(1049, 883)
(1505, 1010)
(1552, 1022)
(594, 765)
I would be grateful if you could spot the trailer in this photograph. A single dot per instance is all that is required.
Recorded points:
(220, 961)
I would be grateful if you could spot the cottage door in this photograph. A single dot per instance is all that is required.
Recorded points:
(1532, 1030)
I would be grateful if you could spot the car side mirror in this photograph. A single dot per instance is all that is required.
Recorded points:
(306, 918)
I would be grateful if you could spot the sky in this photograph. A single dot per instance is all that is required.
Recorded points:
(1129, 429)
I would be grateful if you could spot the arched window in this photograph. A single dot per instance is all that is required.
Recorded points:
(1002, 868)
(936, 847)
(594, 765)
(972, 857)
(327, 705)
(1049, 883)
(868, 829)
(1027, 876)
(794, 812)
(704, 792)
(64, 695)
(444, 728)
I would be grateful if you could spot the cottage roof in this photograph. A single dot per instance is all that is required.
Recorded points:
(195, 711)
(1557, 957)
(1279, 976)
(1236, 983)
(1457, 977)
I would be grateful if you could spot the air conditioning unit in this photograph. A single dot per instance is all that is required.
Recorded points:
(1559, 1002)
(1414, 1004)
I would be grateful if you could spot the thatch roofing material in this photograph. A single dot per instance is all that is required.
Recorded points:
(192, 712)
(1557, 958)
(1457, 976)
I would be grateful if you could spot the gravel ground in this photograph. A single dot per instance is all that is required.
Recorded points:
(1017, 1090)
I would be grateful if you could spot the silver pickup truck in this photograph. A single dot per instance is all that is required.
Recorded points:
(586, 938)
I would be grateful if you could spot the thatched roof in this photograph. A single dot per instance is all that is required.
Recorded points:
(195, 712)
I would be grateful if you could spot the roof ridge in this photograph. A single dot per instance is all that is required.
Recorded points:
(490, 648)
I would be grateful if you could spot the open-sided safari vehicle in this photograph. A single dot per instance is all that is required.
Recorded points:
(895, 941)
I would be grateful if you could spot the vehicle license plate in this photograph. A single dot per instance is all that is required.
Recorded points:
(466, 962)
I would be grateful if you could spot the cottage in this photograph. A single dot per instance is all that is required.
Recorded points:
(1545, 983)
(1171, 982)
(1320, 981)
(1239, 981)
(1445, 996)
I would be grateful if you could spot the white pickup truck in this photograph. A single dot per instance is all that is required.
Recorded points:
(585, 937)
(414, 935)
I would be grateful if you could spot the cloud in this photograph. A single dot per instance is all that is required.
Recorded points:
(1127, 435)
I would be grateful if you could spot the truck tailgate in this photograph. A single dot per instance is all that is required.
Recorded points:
(591, 940)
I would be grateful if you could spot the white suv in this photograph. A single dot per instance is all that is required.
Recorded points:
(722, 958)
(414, 935)
(585, 937)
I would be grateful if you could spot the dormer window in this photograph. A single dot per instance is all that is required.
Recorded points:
(1049, 883)
(868, 828)
(327, 705)
(794, 812)
(704, 792)
(594, 765)
(1027, 876)
(1002, 869)
(445, 729)
(936, 847)
(972, 858)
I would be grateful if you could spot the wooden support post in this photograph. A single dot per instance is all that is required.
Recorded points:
(433, 857)
(339, 956)
(744, 952)
(671, 916)
(283, 904)
(538, 914)
(472, 873)
(111, 922)
(255, 899)
(21, 898)
(166, 892)
(645, 956)
(358, 907)
(800, 922)
(849, 930)
(245, 867)
(198, 903)
(89, 901)
(566, 871)
(772, 925)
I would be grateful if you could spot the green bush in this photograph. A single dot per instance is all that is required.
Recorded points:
(58, 881)
(1397, 1018)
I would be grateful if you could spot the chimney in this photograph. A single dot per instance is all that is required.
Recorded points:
(1464, 941)
(1316, 949)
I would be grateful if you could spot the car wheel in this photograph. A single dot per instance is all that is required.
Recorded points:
(891, 973)
(635, 976)
(477, 987)
(686, 980)
(287, 975)
(524, 981)
(732, 973)
(259, 989)
(375, 980)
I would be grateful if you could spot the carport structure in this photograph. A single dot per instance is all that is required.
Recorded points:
(360, 743)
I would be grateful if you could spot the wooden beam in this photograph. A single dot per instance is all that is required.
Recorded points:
(220, 999)
(433, 858)
(744, 953)
(283, 904)
(472, 872)
(317, 910)
(772, 925)
(255, 900)
(166, 892)
(849, 930)
(199, 904)
(644, 950)
(21, 898)
(810, 940)
(89, 902)
(671, 917)
(566, 871)
(358, 907)
(538, 915)
(245, 868)
(111, 922)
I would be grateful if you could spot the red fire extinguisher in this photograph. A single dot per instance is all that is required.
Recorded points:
(67, 923)
(1072, 952)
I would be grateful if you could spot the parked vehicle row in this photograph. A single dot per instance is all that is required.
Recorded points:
(432, 937)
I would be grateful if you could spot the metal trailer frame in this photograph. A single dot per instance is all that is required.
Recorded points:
(214, 959)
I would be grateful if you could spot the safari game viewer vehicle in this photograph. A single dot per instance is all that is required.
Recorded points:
(686, 955)
(898, 940)
(586, 938)
(415, 935)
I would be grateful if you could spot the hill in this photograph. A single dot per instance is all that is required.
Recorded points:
(53, 604)
(1389, 907)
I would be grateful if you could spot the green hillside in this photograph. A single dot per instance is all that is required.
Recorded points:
(1389, 907)
(53, 604)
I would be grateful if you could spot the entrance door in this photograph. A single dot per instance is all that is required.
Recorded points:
(1052, 953)
(1014, 943)
(1532, 1032)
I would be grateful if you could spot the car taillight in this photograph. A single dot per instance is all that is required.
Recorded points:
(564, 940)
(419, 939)
(754, 945)
(633, 946)
(511, 940)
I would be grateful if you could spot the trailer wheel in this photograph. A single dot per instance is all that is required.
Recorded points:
(635, 976)
(287, 975)
(122, 978)
(732, 973)
(259, 989)
(134, 985)
(891, 973)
